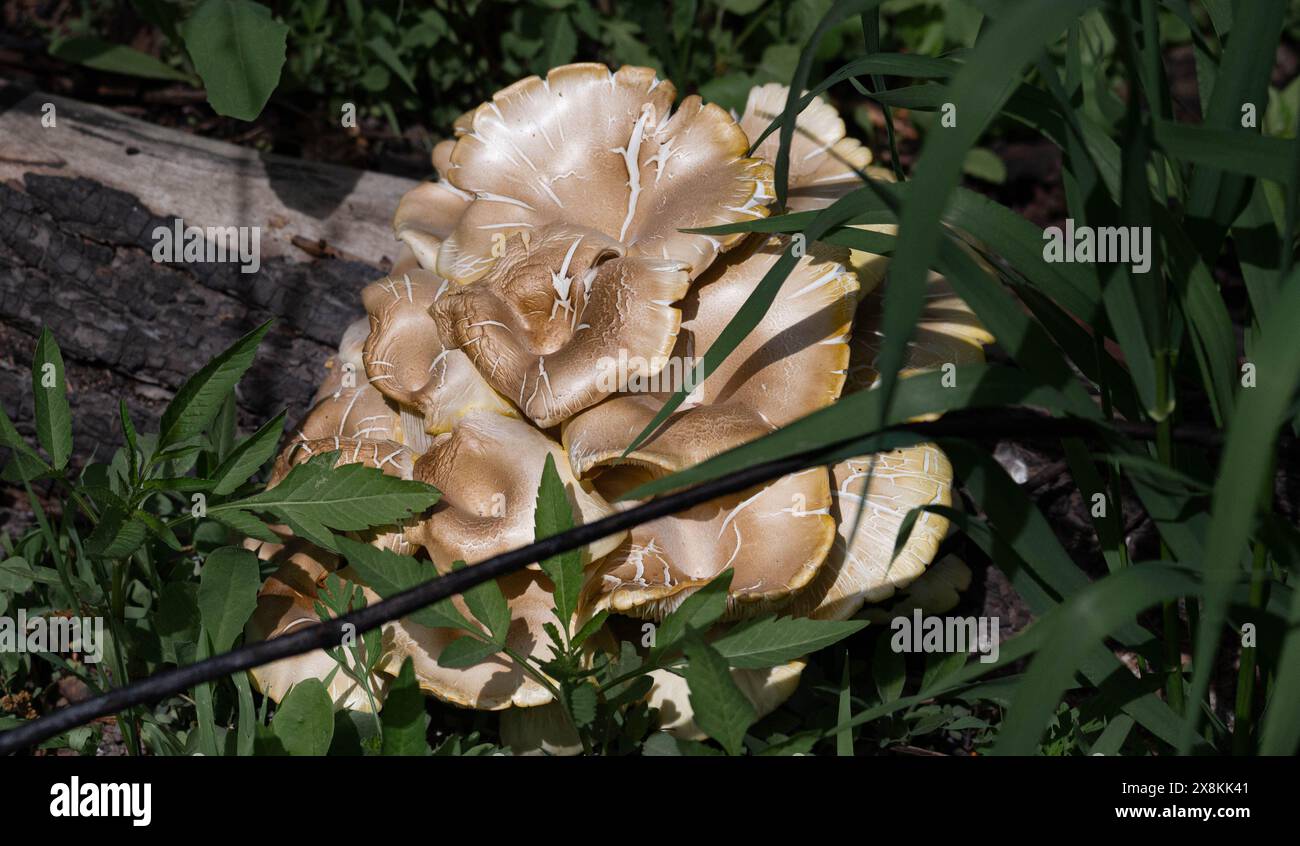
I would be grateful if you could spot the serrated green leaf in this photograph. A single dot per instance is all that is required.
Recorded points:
(403, 716)
(699, 611)
(582, 704)
(199, 399)
(227, 595)
(488, 605)
(132, 442)
(553, 515)
(159, 529)
(50, 393)
(388, 574)
(466, 652)
(238, 49)
(117, 535)
(590, 627)
(315, 498)
(16, 575)
(304, 722)
(246, 524)
(721, 710)
(248, 456)
(770, 640)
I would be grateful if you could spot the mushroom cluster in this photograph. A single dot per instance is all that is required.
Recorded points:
(548, 297)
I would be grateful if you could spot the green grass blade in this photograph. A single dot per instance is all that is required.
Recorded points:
(979, 90)
(1281, 726)
(1215, 198)
(976, 386)
(1226, 150)
(1077, 625)
(1244, 468)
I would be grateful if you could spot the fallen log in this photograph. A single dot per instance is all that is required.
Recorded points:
(79, 202)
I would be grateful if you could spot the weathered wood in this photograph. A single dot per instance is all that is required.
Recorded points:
(78, 205)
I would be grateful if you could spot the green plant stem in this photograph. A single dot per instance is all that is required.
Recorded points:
(1114, 474)
(1260, 573)
(1170, 624)
(527, 666)
(1245, 706)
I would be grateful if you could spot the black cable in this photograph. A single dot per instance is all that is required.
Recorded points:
(330, 633)
(975, 423)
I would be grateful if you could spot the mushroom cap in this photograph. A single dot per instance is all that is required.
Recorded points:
(548, 323)
(774, 536)
(766, 690)
(497, 682)
(860, 570)
(351, 413)
(823, 161)
(346, 405)
(793, 363)
(937, 591)
(544, 730)
(286, 602)
(790, 365)
(428, 213)
(346, 361)
(489, 468)
(948, 332)
(391, 457)
(601, 150)
(407, 360)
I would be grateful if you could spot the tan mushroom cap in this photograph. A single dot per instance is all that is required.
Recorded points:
(937, 591)
(351, 413)
(489, 468)
(428, 213)
(766, 690)
(948, 332)
(346, 405)
(860, 570)
(407, 360)
(548, 324)
(774, 537)
(497, 682)
(286, 602)
(544, 730)
(346, 362)
(790, 365)
(823, 160)
(601, 150)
